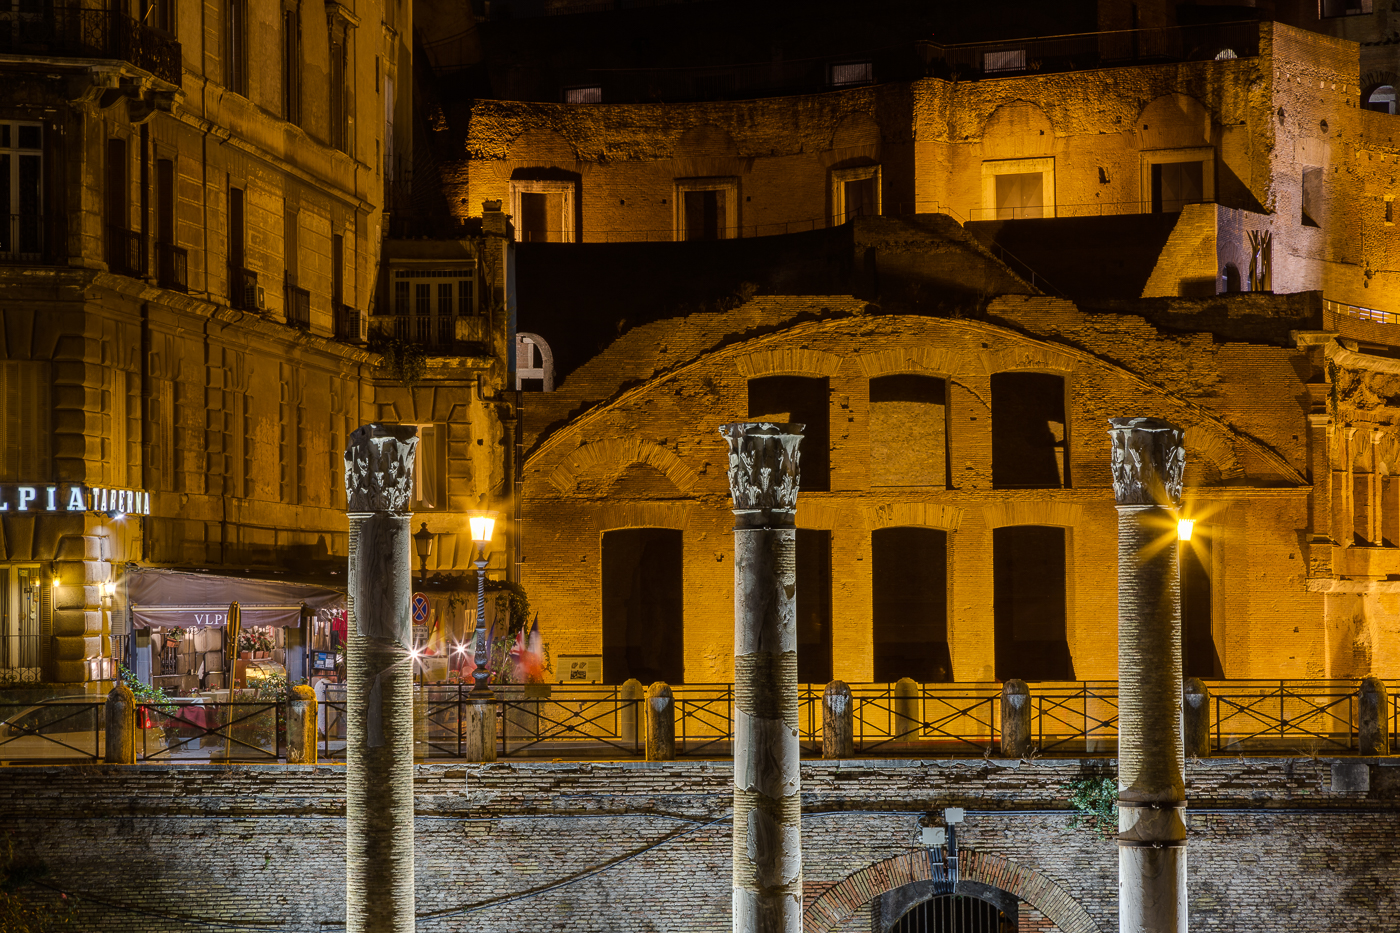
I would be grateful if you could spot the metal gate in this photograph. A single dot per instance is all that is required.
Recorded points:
(954, 913)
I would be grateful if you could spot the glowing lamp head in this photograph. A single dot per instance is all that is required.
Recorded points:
(482, 525)
(109, 589)
(1184, 527)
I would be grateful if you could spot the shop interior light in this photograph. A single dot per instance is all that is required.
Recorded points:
(1183, 529)
(482, 525)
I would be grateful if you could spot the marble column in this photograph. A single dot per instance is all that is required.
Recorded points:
(379, 703)
(1148, 459)
(763, 479)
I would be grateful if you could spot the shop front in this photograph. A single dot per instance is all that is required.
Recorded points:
(180, 634)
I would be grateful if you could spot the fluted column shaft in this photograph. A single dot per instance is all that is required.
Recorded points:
(1148, 458)
(379, 895)
(767, 872)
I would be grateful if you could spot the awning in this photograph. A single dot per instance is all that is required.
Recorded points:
(174, 599)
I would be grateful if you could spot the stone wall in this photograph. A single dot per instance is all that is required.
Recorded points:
(638, 846)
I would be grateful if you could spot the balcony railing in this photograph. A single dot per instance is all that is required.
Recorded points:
(64, 31)
(172, 267)
(21, 238)
(298, 307)
(348, 324)
(244, 293)
(126, 252)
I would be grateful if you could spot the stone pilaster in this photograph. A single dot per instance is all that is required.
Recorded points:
(1148, 460)
(763, 479)
(379, 756)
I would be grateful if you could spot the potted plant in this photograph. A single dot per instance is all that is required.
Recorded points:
(246, 643)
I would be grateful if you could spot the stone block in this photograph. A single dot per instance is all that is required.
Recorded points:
(1351, 777)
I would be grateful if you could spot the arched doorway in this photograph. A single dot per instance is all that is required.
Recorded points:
(958, 913)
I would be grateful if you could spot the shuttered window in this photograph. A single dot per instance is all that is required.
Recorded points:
(24, 422)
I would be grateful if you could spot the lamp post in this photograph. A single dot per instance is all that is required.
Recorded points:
(423, 545)
(479, 712)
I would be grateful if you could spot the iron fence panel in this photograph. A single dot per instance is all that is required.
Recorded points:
(51, 731)
(1301, 716)
(239, 730)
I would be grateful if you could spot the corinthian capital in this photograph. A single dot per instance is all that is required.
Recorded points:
(379, 468)
(1148, 460)
(763, 471)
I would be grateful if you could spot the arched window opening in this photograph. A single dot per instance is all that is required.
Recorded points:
(1028, 583)
(955, 913)
(1232, 277)
(908, 431)
(643, 606)
(1382, 99)
(534, 364)
(910, 604)
(813, 606)
(804, 400)
(1030, 440)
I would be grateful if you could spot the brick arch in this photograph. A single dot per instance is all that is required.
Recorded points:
(838, 903)
(1032, 512)
(919, 360)
(1374, 79)
(1214, 446)
(644, 515)
(614, 454)
(1029, 356)
(787, 361)
(926, 514)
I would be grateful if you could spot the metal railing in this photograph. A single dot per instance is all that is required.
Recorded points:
(298, 302)
(126, 252)
(83, 33)
(347, 324)
(1356, 311)
(1284, 716)
(249, 731)
(172, 267)
(21, 237)
(51, 731)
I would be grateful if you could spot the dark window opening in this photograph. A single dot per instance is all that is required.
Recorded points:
(1330, 8)
(1029, 438)
(1381, 100)
(804, 400)
(643, 601)
(1020, 195)
(703, 215)
(1312, 198)
(908, 431)
(1176, 184)
(955, 913)
(1232, 277)
(813, 606)
(1028, 592)
(910, 605)
(1361, 508)
(291, 65)
(541, 217)
(1199, 655)
(21, 196)
(236, 46)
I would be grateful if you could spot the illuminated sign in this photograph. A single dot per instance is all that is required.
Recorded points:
(74, 497)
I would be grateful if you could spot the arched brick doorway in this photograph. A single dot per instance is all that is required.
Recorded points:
(921, 874)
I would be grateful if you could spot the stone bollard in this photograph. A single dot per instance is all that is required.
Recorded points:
(1195, 717)
(661, 723)
(1015, 719)
(1372, 719)
(906, 710)
(301, 725)
(119, 714)
(629, 697)
(479, 728)
(838, 721)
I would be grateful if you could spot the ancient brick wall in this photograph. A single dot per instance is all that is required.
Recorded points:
(638, 846)
(630, 440)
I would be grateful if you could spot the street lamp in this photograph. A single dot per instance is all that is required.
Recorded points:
(423, 544)
(481, 523)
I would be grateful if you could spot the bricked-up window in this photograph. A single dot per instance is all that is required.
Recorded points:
(1028, 593)
(1199, 654)
(1177, 184)
(236, 46)
(910, 604)
(24, 422)
(1312, 198)
(643, 606)
(813, 606)
(804, 400)
(908, 431)
(1029, 440)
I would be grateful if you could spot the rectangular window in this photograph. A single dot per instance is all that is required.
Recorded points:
(813, 606)
(337, 271)
(1312, 198)
(643, 606)
(908, 430)
(236, 46)
(851, 74)
(21, 192)
(545, 210)
(1028, 603)
(24, 422)
(583, 95)
(1390, 210)
(1330, 8)
(444, 307)
(21, 598)
(855, 192)
(159, 15)
(535, 215)
(291, 64)
(804, 400)
(1030, 443)
(435, 298)
(1177, 184)
(704, 213)
(401, 298)
(430, 468)
(123, 255)
(235, 228)
(909, 568)
(291, 249)
(1020, 195)
(1199, 655)
(340, 74)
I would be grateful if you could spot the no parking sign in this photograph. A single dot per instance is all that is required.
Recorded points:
(420, 609)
